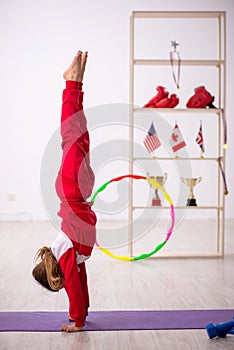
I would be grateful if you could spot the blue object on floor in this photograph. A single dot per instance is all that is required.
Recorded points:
(220, 329)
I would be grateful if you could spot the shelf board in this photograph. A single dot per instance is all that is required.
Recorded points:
(166, 62)
(180, 110)
(177, 14)
(179, 207)
(175, 158)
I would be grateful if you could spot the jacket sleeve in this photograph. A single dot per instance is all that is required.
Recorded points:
(73, 287)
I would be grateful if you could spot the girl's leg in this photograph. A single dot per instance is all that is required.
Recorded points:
(75, 179)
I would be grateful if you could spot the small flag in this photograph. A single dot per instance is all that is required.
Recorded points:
(176, 141)
(151, 140)
(199, 139)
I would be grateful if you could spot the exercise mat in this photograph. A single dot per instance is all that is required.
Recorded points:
(114, 320)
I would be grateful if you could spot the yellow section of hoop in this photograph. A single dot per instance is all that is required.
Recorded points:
(107, 252)
(156, 185)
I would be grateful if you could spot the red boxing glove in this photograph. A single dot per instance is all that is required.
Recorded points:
(201, 99)
(168, 102)
(162, 93)
(174, 100)
(163, 103)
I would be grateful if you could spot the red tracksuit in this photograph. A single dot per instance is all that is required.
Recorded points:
(74, 185)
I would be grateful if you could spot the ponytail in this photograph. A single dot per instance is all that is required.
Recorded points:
(48, 271)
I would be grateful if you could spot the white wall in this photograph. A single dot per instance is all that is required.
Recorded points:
(38, 40)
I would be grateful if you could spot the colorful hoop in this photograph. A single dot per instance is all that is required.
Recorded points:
(154, 184)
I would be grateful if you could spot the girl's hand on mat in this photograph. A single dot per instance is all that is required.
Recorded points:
(71, 328)
(70, 319)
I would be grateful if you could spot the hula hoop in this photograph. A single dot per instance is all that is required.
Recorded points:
(154, 184)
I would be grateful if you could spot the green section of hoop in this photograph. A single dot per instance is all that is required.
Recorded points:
(102, 188)
(147, 255)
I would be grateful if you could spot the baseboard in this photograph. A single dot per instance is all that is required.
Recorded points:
(15, 216)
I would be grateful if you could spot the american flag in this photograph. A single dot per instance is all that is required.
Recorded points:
(151, 140)
(199, 139)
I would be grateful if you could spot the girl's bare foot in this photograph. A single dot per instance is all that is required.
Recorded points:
(76, 69)
(71, 328)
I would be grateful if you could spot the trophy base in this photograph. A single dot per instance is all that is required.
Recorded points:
(192, 202)
(156, 203)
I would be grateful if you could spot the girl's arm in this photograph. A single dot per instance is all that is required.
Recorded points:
(64, 252)
(72, 285)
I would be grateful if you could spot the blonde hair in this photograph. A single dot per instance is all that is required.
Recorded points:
(48, 272)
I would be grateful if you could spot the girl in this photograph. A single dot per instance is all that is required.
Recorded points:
(63, 264)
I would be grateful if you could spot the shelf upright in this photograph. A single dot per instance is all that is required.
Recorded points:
(131, 136)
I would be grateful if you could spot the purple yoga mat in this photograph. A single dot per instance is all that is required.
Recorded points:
(114, 320)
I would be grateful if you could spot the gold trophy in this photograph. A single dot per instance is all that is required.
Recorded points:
(191, 183)
(156, 201)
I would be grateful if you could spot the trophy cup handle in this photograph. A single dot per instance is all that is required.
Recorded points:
(165, 178)
(198, 180)
(183, 180)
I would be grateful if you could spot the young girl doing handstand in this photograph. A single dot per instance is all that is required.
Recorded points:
(63, 264)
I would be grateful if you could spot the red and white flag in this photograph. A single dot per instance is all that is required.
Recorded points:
(176, 141)
(151, 140)
(200, 140)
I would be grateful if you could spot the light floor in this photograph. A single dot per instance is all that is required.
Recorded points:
(156, 284)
